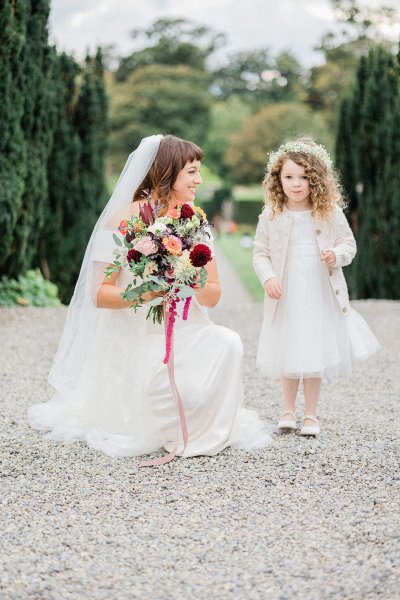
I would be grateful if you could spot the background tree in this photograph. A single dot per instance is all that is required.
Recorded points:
(363, 28)
(258, 78)
(227, 117)
(172, 42)
(263, 132)
(370, 125)
(158, 98)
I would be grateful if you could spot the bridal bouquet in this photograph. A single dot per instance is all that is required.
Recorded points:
(164, 254)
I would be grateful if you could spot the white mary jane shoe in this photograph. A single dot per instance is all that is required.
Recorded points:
(310, 429)
(287, 424)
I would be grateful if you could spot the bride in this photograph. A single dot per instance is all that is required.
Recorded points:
(112, 389)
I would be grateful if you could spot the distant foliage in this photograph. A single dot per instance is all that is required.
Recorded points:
(159, 98)
(259, 79)
(263, 132)
(171, 42)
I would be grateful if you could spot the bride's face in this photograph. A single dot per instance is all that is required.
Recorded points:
(184, 188)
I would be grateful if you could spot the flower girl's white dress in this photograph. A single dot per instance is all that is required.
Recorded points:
(308, 335)
(123, 404)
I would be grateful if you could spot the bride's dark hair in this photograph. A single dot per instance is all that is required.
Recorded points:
(172, 156)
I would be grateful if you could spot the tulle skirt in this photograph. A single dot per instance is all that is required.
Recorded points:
(309, 336)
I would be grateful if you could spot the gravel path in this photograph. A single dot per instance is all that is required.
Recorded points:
(308, 519)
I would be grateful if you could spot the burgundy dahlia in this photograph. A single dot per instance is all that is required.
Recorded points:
(133, 256)
(187, 211)
(200, 255)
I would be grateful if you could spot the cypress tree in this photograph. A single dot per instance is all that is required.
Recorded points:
(345, 154)
(91, 125)
(372, 127)
(52, 148)
(82, 189)
(56, 250)
(37, 122)
(13, 147)
(77, 189)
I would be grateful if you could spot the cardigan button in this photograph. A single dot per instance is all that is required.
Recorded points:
(337, 292)
(318, 231)
(344, 310)
(330, 273)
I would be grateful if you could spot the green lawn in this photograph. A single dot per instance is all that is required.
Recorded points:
(241, 260)
(248, 192)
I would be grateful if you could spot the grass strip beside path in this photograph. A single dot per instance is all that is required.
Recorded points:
(241, 260)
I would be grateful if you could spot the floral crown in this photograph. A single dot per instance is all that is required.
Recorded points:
(318, 150)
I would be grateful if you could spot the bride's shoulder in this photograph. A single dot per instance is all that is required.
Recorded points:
(134, 207)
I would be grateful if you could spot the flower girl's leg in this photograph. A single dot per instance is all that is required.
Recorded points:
(289, 393)
(312, 388)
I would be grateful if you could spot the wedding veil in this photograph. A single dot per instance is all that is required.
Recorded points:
(83, 315)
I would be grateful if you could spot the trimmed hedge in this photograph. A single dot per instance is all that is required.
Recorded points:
(246, 212)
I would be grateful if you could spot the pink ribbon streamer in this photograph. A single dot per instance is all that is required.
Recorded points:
(186, 308)
(169, 320)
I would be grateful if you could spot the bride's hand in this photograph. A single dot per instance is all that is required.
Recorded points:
(149, 296)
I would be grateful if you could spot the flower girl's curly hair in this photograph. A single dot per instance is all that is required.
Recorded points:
(172, 156)
(325, 189)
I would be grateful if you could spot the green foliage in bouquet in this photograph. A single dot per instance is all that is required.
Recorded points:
(30, 289)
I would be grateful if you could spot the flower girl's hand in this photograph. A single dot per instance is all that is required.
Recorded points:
(329, 258)
(273, 288)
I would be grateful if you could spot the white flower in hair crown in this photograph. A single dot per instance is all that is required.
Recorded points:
(318, 150)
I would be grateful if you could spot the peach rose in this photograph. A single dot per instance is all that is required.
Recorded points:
(173, 213)
(123, 227)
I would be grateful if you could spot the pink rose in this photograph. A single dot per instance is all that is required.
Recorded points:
(146, 246)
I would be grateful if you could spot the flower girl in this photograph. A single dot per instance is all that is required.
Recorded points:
(302, 242)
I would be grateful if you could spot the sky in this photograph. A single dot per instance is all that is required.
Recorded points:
(296, 25)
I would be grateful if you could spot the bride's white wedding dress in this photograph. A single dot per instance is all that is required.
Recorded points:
(123, 405)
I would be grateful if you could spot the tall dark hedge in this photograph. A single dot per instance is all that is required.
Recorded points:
(13, 144)
(53, 129)
(63, 182)
(37, 123)
(77, 190)
(368, 155)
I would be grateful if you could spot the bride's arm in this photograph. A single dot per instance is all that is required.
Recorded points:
(210, 294)
(109, 294)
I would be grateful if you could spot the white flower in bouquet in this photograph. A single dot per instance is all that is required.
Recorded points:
(198, 237)
(180, 229)
(165, 220)
(189, 225)
(183, 268)
(158, 228)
